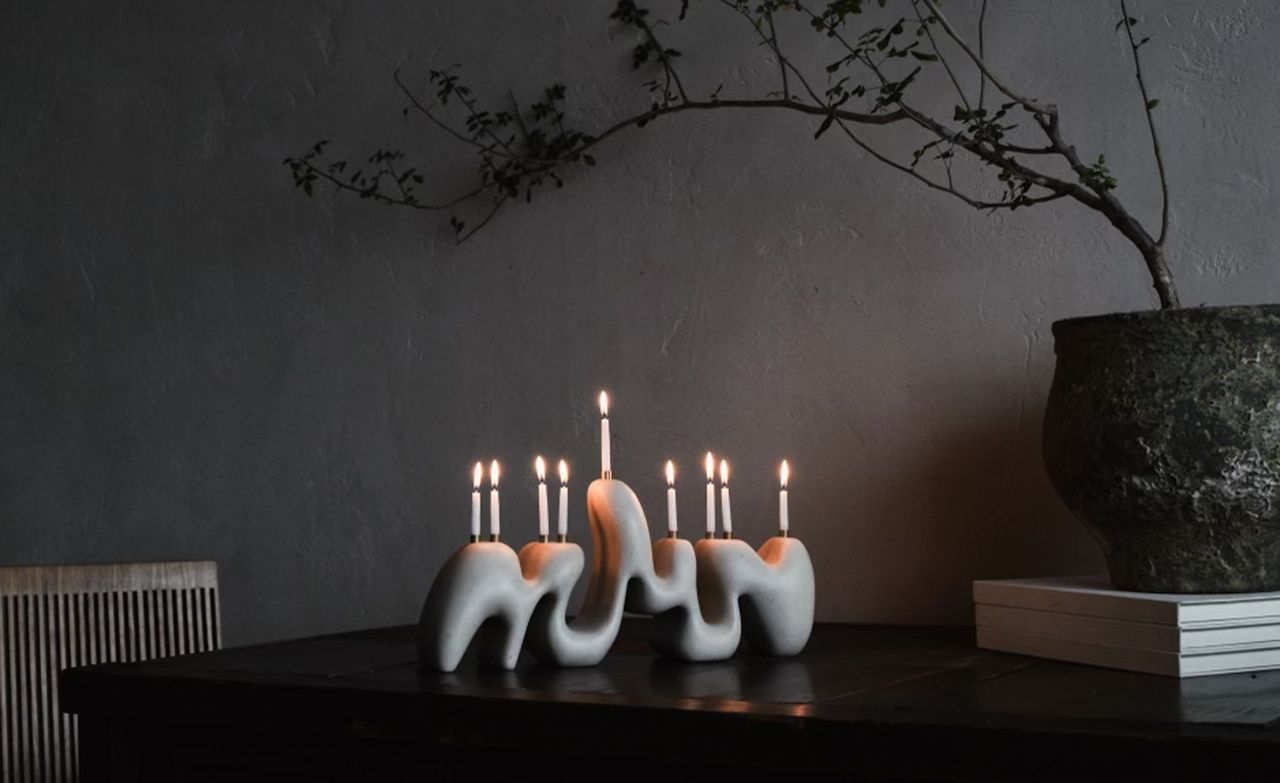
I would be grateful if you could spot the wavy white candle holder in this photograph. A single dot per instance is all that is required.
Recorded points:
(705, 596)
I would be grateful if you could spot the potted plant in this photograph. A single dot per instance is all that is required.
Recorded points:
(1162, 432)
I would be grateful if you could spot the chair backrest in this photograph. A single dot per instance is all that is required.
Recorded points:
(56, 617)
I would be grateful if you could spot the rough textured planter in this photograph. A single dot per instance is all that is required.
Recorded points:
(1162, 434)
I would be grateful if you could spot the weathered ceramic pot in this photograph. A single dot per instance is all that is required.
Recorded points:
(1162, 434)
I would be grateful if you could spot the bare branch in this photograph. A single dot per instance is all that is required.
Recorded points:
(1029, 104)
(439, 123)
(539, 166)
(474, 114)
(982, 53)
(777, 52)
(1021, 150)
(997, 154)
(948, 188)
(1148, 105)
(374, 194)
(1114, 211)
(667, 67)
(788, 105)
(395, 177)
(1005, 162)
(784, 63)
(519, 162)
(497, 205)
(915, 6)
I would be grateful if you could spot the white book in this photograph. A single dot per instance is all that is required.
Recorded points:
(1092, 596)
(1198, 638)
(1130, 658)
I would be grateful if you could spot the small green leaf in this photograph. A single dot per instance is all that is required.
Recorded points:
(1151, 104)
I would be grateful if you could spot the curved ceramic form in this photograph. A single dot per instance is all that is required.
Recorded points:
(766, 596)
(706, 597)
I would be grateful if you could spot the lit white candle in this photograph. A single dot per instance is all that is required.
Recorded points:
(477, 476)
(711, 495)
(671, 499)
(726, 515)
(562, 521)
(495, 512)
(606, 457)
(784, 517)
(543, 519)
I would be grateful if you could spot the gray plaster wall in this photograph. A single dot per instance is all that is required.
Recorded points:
(198, 362)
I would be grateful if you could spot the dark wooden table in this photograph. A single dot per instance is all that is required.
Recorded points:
(863, 702)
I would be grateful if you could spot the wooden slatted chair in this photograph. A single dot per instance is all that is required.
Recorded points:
(56, 617)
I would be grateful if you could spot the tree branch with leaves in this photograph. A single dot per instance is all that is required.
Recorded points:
(520, 152)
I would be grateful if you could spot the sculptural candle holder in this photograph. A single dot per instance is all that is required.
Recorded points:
(704, 597)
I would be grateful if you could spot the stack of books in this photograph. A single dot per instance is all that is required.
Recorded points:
(1083, 620)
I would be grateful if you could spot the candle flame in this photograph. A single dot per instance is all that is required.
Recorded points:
(564, 472)
(711, 467)
(724, 472)
(540, 467)
(494, 473)
(477, 475)
(785, 472)
(671, 473)
(604, 403)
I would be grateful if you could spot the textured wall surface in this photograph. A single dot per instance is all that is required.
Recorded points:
(197, 362)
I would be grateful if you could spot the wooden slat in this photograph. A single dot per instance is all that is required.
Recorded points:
(215, 619)
(7, 678)
(5, 754)
(44, 684)
(56, 617)
(70, 737)
(58, 646)
(27, 681)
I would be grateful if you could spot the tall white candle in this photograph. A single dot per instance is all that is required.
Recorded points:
(477, 476)
(562, 521)
(784, 517)
(543, 519)
(671, 498)
(726, 515)
(711, 495)
(606, 456)
(495, 511)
